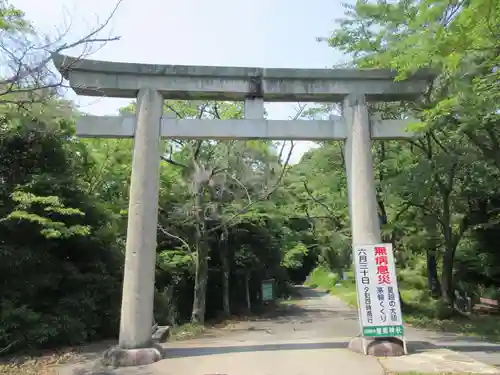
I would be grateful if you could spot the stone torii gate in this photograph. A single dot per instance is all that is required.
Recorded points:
(152, 84)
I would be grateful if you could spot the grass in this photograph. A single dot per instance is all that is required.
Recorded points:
(422, 309)
(485, 327)
(186, 331)
(346, 291)
(45, 365)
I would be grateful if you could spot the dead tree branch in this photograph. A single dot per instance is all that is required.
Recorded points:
(267, 194)
(168, 234)
(28, 55)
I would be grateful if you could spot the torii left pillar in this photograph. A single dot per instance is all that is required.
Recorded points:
(135, 341)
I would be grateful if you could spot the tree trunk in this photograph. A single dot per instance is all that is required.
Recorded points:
(432, 275)
(225, 273)
(432, 244)
(447, 275)
(200, 284)
(201, 277)
(247, 292)
(449, 253)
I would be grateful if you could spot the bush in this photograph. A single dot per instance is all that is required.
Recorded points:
(60, 286)
(412, 279)
(443, 310)
(321, 277)
(490, 292)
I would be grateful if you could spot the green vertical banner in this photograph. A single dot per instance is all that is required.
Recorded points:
(268, 290)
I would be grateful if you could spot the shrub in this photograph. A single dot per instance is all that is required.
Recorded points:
(412, 279)
(321, 277)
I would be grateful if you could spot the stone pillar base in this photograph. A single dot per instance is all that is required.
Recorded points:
(118, 357)
(378, 347)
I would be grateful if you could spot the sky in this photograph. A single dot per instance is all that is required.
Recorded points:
(260, 33)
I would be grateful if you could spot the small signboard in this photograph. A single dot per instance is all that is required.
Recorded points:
(377, 288)
(268, 290)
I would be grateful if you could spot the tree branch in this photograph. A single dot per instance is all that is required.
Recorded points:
(265, 196)
(35, 77)
(171, 161)
(334, 217)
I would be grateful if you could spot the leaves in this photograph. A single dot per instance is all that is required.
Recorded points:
(294, 257)
(27, 202)
(443, 181)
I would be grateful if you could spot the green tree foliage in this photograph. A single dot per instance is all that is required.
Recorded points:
(61, 268)
(438, 193)
(234, 213)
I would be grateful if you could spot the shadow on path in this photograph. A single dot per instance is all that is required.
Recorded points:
(203, 351)
(413, 347)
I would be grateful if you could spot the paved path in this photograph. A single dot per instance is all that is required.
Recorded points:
(310, 338)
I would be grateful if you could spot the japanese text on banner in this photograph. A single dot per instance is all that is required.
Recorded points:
(377, 289)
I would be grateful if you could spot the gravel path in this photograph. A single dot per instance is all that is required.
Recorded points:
(309, 337)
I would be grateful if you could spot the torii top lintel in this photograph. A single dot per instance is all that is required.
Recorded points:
(123, 80)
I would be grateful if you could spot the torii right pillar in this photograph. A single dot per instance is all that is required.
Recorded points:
(363, 210)
(365, 223)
